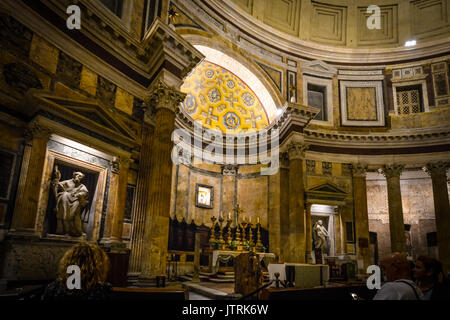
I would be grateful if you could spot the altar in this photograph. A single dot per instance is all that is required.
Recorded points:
(226, 256)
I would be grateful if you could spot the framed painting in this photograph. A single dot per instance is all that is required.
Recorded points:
(204, 196)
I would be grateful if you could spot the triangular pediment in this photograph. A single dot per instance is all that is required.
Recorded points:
(327, 188)
(90, 114)
(318, 66)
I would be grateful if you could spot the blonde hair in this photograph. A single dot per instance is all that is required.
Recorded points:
(92, 261)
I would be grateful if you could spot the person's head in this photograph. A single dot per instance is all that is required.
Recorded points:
(427, 269)
(395, 266)
(92, 261)
(77, 177)
(319, 222)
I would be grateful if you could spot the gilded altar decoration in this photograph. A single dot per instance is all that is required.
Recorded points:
(220, 100)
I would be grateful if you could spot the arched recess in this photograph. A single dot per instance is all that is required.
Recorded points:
(266, 90)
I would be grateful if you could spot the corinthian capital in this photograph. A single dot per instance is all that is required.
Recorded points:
(391, 170)
(359, 170)
(296, 150)
(163, 96)
(36, 131)
(436, 168)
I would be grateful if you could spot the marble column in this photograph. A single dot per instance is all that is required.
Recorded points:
(284, 207)
(140, 203)
(297, 236)
(29, 188)
(396, 224)
(438, 173)
(361, 214)
(308, 228)
(156, 233)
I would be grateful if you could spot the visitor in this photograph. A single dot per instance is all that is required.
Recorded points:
(397, 274)
(430, 278)
(93, 263)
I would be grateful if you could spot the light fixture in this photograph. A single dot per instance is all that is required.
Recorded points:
(410, 43)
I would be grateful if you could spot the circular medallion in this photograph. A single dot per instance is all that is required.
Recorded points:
(231, 121)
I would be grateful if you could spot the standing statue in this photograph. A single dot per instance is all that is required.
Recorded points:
(71, 198)
(321, 234)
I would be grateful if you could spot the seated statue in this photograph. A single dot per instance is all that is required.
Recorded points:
(71, 198)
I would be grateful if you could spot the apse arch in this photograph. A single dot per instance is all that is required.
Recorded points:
(243, 67)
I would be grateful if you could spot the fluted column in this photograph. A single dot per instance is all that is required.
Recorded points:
(308, 228)
(141, 197)
(297, 237)
(438, 173)
(156, 233)
(361, 214)
(27, 199)
(396, 224)
(284, 207)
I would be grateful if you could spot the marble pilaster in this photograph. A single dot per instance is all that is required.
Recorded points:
(361, 214)
(438, 173)
(297, 236)
(141, 198)
(396, 224)
(27, 199)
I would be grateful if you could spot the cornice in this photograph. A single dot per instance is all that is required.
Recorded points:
(391, 139)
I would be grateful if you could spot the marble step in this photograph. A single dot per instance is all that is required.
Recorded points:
(225, 276)
(218, 280)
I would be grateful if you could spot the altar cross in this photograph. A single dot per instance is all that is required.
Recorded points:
(237, 211)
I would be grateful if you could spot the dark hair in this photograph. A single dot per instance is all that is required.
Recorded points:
(432, 265)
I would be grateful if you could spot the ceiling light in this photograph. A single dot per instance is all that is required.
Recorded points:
(410, 43)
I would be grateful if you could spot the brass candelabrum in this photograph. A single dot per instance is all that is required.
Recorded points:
(221, 242)
(259, 245)
(244, 233)
(229, 232)
(212, 239)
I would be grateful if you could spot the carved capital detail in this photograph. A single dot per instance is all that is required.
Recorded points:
(391, 170)
(163, 96)
(36, 131)
(229, 170)
(359, 170)
(436, 169)
(296, 150)
(119, 163)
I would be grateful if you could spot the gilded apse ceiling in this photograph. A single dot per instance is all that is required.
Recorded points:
(220, 100)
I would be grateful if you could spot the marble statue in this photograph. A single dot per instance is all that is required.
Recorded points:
(321, 236)
(71, 198)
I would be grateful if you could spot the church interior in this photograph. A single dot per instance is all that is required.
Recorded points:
(212, 148)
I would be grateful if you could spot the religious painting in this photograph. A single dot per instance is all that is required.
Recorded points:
(362, 103)
(204, 196)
